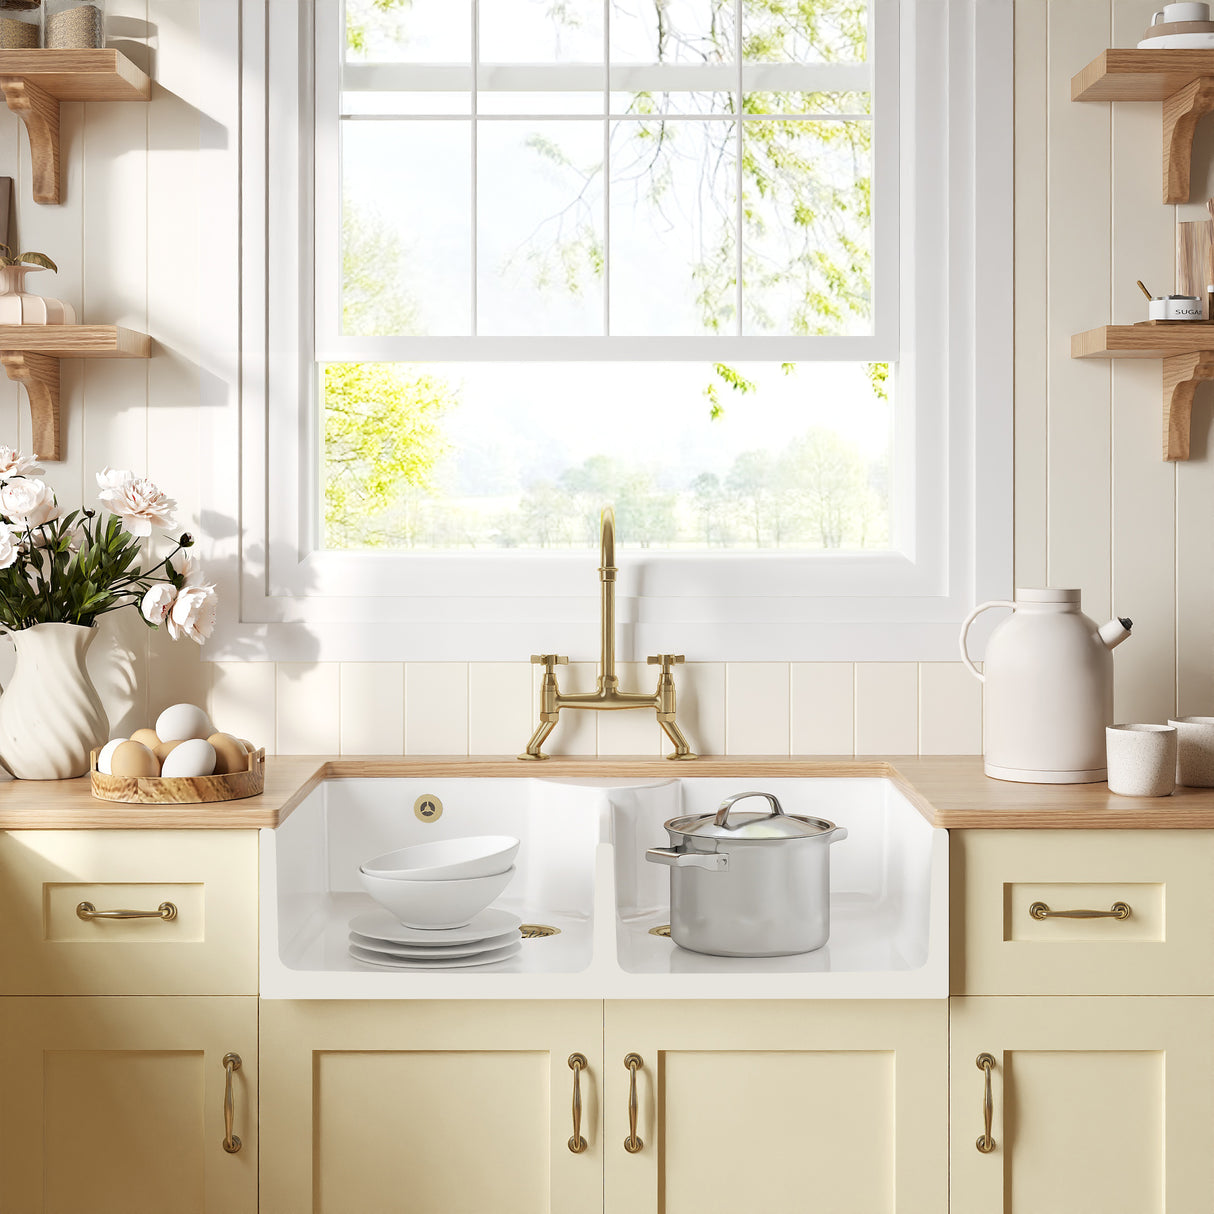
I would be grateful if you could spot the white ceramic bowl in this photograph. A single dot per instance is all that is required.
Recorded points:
(447, 859)
(435, 904)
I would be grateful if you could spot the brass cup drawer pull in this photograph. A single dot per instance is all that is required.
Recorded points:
(1119, 910)
(985, 1143)
(231, 1143)
(577, 1064)
(632, 1144)
(165, 911)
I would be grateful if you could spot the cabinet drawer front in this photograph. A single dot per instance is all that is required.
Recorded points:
(195, 892)
(1083, 912)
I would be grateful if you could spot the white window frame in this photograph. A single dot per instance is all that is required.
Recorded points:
(284, 598)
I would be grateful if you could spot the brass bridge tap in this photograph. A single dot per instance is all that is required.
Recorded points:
(607, 694)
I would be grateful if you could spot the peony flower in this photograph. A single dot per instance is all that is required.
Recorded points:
(158, 602)
(187, 567)
(10, 548)
(13, 463)
(193, 613)
(28, 502)
(138, 502)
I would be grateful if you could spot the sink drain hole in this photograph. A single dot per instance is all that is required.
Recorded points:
(535, 931)
(664, 930)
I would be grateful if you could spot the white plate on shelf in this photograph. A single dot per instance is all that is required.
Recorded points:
(368, 957)
(484, 926)
(374, 945)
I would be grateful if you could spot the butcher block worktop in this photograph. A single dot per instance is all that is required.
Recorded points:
(949, 791)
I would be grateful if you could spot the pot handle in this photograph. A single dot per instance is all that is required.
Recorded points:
(713, 861)
(965, 628)
(838, 834)
(722, 818)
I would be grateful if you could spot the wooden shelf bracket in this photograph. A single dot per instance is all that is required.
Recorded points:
(40, 113)
(1181, 112)
(40, 375)
(1181, 375)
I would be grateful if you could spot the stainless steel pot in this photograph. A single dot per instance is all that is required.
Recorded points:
(749, 884)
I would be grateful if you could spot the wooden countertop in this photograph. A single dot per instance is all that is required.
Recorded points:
(949, 791)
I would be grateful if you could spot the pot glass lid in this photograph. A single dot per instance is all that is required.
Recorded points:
(726, 824)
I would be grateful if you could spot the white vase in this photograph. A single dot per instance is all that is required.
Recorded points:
(19, 307)
(51, 716)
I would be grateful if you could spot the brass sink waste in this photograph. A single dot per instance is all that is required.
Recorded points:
(607, 694)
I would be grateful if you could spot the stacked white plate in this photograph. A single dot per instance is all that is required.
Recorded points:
(376, 938)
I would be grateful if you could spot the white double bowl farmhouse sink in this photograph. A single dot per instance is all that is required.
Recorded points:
(582, 869)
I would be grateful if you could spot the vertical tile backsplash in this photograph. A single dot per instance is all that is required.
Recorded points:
(456, 708)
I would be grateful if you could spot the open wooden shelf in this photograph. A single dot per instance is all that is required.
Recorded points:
(1187, 353)
(1182, 79)
(30, 355)
(34, 82)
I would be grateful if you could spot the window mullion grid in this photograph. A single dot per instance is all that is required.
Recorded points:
(737, 54)
(474, 139)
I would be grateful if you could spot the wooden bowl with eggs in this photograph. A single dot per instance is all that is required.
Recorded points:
(186, 770)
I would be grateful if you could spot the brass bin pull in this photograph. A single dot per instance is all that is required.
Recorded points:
(985, 1143)
(577, 1064)
(632, 1144)
(166, 911)
(231, 1143)
(1119, 910)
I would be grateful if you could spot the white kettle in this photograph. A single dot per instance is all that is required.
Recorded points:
(1049, 689)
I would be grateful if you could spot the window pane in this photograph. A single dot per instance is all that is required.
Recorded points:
(540, 228)
(754, 456)
(508, 102)
(807, 265)
(673, 227)
(806, 31)
(541, 31)
(672, 31)
(406, 224)
(416, 31)
(785, 102)
(403, 103)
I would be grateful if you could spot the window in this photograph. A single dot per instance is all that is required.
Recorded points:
(713, 261)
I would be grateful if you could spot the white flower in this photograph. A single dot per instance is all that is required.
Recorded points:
(13, 463)
(187, 567)
(158, 602)
(28, 502)
(193, 613)
(9, 547)
(138, 502)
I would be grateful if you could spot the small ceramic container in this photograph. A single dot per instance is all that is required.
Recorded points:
(1141, 759)
(1194, 751)
(1175, 307)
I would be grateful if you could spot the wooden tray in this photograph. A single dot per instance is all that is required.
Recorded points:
(180, 790)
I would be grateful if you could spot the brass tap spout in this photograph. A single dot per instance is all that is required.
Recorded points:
(607, 694)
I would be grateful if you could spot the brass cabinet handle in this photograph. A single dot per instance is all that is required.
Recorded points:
(87, 911)
(985, 1143)
(577, 1064)
(231, 1143)
(1119, 910)
(632, 1144)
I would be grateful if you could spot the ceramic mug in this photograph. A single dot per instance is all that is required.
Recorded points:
(1181, 12)
(1194, 751)
(1141, 759)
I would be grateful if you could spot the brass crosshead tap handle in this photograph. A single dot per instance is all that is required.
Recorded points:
(665, 660)
(549, 661)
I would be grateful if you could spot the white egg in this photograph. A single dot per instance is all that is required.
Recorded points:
(183, 721)
(106, 753)
(193, 757)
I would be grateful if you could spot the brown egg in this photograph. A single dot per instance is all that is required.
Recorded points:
(146, 737)
(162, 748)
(230, 755)
(247, 745)
(134, 759)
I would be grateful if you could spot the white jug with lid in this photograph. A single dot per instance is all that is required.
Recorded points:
(1048, 697)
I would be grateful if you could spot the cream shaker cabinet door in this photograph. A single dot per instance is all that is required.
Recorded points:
(1097, 1105)
(779, 1107)
(117, 1105)
(430, 1107)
